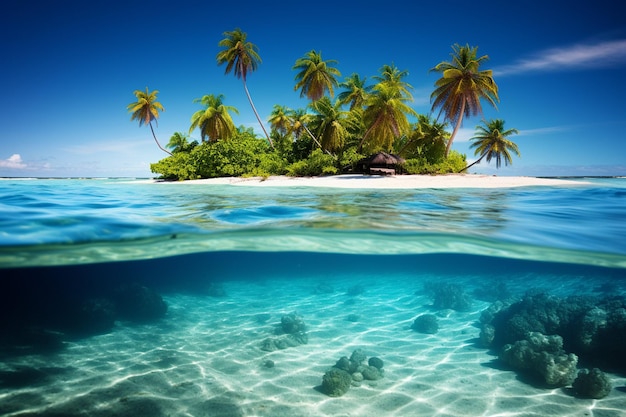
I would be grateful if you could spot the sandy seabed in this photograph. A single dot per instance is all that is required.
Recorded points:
(205, 359)
(392, 181)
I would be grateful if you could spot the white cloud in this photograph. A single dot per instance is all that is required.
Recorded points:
(599, 55)
(464, 134)
(13, 162)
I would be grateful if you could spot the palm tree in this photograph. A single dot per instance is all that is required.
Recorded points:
(178, 143)
(462, 85)
(356, 91)
(145, 110)
(316, 76)
(392, 76)
(385, 117)
(279, 119)
(428, 139)
(214, 120)
(331, 124)
(241, 57)
(491, 141)
(299, 119)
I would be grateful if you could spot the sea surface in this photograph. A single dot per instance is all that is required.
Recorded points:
(215, 269)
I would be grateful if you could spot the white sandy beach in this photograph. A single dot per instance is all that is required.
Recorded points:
(392, 182)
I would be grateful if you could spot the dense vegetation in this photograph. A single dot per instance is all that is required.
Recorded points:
(331, 135)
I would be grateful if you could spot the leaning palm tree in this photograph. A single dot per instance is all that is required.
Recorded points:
(145, 110)
(385, 117)
(462, 85)
(491, 142)
(316, 76)
(214, 121)
(241, 57)
(356, 92)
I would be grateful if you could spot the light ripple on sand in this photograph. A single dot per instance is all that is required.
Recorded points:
(205, 360)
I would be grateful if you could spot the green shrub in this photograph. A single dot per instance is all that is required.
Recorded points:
(179, 166)
(238, 156)
(453, 164)
(318, 163)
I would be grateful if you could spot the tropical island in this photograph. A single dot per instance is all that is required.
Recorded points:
(368, 127)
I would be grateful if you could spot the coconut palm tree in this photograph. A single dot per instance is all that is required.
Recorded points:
(428, 138)
(331, 123)
(299, 119)
(356, 91)
(214, 121)
(241, 57)
(279, 119)
(491, 142)
(461, 87)
(145, 110)
(316, 76)
(392, 76)
(178, 143)
(385, 117)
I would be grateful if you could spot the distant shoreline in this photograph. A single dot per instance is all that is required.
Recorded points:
(356, 181)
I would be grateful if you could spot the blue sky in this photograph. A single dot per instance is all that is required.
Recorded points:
(69, 69)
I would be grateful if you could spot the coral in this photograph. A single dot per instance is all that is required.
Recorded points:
(542, 356)
(358, 356)
(375, 362)
(426, 323)
(592, 384)
(592, 328)
(487, 335)
(448, 295)
(292, 324)
(336, 382)
(293, 334)
(371, 373)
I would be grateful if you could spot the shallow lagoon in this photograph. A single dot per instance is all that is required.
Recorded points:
(230, 262)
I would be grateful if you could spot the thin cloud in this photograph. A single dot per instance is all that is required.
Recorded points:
(542, 130)
(464, 134)
(13, 162)
(600, 55)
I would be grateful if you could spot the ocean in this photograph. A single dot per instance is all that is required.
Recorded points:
(125, 297)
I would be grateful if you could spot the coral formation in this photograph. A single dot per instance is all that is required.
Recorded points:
(542, 356)
(592, 384)
(334, 380)
(291, 333)
(426, 323)
(448, 295)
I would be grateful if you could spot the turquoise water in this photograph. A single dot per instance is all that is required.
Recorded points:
(46, 222)
(67, 246)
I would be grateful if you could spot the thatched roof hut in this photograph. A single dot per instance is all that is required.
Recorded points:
(381, 163)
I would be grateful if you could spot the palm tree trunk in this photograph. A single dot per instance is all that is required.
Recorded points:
(476, 161)
(157, 142)
(456, 128)
(245, 87)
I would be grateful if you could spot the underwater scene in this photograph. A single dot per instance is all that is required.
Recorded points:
(128, 297)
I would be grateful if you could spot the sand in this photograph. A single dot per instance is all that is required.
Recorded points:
(393, 181)
(205, 359)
